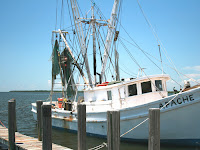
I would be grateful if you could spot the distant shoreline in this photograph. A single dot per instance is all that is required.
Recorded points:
(33, 91)
(37, 91)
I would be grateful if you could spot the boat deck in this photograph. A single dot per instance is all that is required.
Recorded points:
(26, 142)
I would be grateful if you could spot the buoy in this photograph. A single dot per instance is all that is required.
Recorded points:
(60, 101)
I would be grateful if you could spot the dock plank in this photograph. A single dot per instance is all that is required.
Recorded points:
(24, 142)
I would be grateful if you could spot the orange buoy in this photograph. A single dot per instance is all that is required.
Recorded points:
(60, 102)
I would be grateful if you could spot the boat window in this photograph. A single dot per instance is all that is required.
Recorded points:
(132, 90)
(109, 94)
(158, 85)
(146, 87)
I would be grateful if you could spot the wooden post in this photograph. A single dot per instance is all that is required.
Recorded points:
(11, 124)
(47, 127)
(39, 119)
(154, 129)
(15, 120)
(81, 127)
(113, 130)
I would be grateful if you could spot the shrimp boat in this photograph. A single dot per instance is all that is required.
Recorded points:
(104, 90)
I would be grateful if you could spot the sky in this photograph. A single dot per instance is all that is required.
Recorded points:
(26, 28)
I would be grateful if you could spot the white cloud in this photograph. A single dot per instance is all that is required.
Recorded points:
(57, 85)
(49, 83)
(195, 68)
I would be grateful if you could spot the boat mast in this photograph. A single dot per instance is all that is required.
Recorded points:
(94, 43)
(111, 29)
(81, 38)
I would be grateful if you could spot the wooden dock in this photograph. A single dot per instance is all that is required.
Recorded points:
(24, 142)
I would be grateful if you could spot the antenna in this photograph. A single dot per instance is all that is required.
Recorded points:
(160, 58)
(140, 72)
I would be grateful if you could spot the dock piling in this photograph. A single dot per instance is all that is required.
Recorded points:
(47, 127)
(154, 129)
(39, 119)
(113, 130)
(11, 124)
(15, 120)
(81, 127)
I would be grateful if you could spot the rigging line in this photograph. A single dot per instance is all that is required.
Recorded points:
(104, 47)
(99, 10)
(89, 30)
(137, 46)
(106, 50)
(157, 38)
(111, 57)
(87, 12)
(87, 48)
(79, 8)
(103, 15)
(81, 38)
(61, 17)
(75, 43)
(140, 66)
(80, 54)
(74, 66)
(146, 53)
(160, 58)
(149, 58)
(127, 72)
(71, 26)
(56, 14)
(97, 35)
(110, 71)
(103, 32)
(70, 15)
(73, 49)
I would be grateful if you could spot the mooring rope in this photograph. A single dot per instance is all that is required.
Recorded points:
(2, 124)
(99, 146)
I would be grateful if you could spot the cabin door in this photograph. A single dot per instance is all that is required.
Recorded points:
(122, 93)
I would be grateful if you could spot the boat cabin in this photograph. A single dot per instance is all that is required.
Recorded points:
(130, 91)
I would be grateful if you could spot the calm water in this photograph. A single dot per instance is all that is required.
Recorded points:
(26, 125)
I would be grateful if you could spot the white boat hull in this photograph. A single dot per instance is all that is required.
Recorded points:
(179, 121)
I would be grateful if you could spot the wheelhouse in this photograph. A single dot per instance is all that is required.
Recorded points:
(139, 89)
